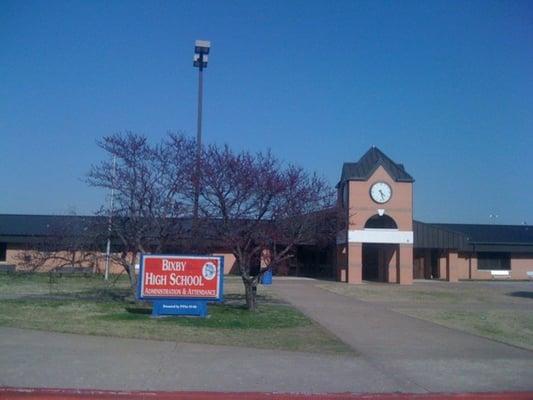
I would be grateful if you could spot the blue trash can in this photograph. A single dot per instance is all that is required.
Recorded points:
(266, 278)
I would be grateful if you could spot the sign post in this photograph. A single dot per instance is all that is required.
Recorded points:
(180, 285)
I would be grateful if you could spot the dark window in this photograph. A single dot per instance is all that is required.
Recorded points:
(3, 250)
(494, 261)
(381, 222)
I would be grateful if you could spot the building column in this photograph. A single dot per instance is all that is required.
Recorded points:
(405, 264)
(342, 263)
(452, 274)
(393, 267)
(355, 263)
(443, 262)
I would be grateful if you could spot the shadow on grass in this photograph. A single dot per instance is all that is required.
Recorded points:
(139, 310)
(146, 308)
(221, 316)
(96, 295)
(239, 299)
(524, 294)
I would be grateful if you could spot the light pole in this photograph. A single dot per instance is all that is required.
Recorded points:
(201, 51)
(110, 222)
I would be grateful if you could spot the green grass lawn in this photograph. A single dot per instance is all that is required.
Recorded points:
(514, 327)
(22, 284)
(425, 293)
(88, 305)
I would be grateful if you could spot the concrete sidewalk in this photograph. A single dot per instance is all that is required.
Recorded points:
(45, 359)
(418, 353)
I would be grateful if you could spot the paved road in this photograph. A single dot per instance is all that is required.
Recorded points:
(398, 353)
(419, 353)
(44, 359)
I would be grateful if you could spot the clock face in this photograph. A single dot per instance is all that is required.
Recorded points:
(380, 192)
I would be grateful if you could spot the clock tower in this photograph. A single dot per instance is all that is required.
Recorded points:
(375, 216)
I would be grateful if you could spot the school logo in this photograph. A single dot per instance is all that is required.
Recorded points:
(209, 271)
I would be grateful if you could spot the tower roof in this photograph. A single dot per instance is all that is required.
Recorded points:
(363, 169)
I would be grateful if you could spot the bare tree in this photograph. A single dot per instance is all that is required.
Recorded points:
(257, 207)
(153, 186)
(70, 241)
(251, 204)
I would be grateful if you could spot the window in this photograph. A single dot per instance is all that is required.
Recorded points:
(494, 261)
(380, 222)
(3, 251)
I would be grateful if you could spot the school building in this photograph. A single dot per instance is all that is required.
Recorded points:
(377, 238)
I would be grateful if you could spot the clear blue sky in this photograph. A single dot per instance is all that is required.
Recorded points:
(444, 87)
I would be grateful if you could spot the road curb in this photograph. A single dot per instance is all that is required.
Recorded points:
(11, 393)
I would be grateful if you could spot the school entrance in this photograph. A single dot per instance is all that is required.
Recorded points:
(378, 260)
(375, 218)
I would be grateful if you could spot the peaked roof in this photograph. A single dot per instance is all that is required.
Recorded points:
(363, 169)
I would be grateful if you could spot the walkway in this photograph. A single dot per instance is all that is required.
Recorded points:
(412, 352)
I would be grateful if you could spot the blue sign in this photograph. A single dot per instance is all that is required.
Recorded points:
(179, 307)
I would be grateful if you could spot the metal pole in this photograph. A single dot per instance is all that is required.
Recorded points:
(198, 138)
(110, 222)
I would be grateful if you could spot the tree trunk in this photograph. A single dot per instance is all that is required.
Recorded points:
(132, 277)
(250, 289)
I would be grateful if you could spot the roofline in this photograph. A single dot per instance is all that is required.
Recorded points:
(473, 224)
(366, 179)
(529, 244)
(380, 163)
(383, 165)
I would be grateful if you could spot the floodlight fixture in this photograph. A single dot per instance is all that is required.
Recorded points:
(201, 50)
(202, 46)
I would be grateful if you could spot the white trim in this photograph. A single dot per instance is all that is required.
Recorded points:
(500, 273)
(380, 236)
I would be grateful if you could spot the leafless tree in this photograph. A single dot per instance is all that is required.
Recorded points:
(258, 207)
(152, 191)
(250, 203)
(69, 242)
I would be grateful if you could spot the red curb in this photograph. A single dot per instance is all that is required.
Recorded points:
(9, 393)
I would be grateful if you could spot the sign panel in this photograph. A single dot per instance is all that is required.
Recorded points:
(179, 307)
(180, 277)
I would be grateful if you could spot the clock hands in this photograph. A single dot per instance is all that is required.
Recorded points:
(380, 192)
